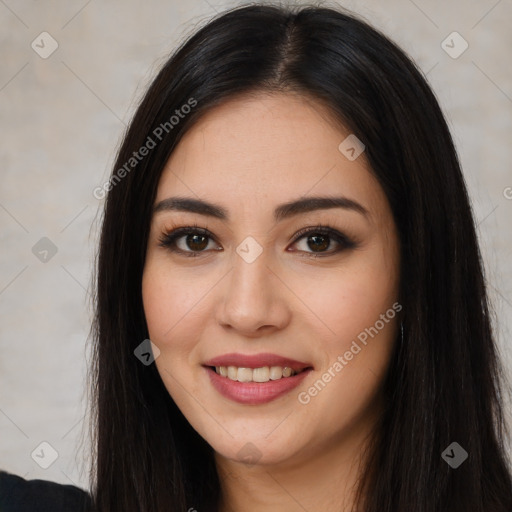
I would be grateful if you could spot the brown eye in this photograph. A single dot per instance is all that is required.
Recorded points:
(320, 238)
(318, 242)
(196, 242)
(190, 241)
(193, 241)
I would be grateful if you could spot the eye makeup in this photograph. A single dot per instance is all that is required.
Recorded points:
(320, 236)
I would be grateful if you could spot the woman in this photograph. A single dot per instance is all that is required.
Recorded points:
(291, 306)
(264, 107)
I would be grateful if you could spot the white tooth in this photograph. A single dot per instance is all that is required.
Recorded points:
(232, 372)
(244, 375)
(276, 372)
(261, 374)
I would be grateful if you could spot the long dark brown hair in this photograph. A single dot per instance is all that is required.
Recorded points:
(445, 383)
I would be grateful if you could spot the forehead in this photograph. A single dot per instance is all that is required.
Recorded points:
(255, 150)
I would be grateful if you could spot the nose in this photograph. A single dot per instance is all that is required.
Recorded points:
(253, 299)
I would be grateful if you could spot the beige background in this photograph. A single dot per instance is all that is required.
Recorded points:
(61, 121)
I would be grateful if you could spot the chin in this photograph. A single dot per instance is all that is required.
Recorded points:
(254, 450)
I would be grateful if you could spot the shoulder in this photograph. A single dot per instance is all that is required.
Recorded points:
(20, 495)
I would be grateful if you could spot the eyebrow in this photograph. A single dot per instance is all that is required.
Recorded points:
(283, 211)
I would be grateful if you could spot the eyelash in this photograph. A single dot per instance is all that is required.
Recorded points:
(168, 239)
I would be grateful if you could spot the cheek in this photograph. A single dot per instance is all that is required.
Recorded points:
(171, 306)
(172, 310)
(354, 298)
(361, 310)
(359, 306)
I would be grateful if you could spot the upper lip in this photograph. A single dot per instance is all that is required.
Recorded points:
(256, 361)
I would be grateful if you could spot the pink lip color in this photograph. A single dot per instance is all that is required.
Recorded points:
(252, 393)
(256, 361)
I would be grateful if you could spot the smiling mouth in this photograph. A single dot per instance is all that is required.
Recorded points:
(261, 375)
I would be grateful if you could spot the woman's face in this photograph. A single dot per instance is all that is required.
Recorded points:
(255, 293)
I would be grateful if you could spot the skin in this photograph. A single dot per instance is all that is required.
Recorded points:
(249, 155)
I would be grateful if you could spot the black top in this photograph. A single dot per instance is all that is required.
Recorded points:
(20, 495)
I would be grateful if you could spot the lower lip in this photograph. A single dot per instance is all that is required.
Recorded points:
(253, 393)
